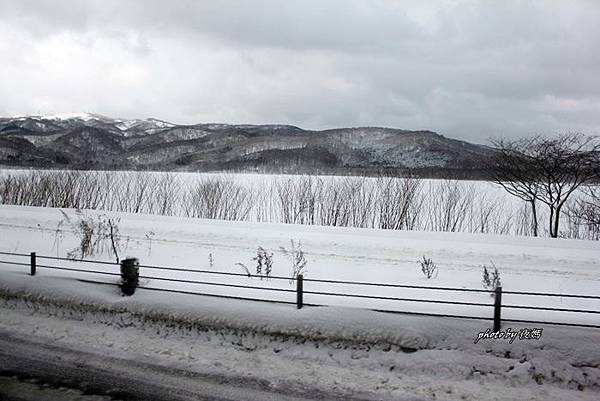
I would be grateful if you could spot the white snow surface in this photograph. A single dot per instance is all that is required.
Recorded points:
(529, 264)
(343, 347)
(69, 116)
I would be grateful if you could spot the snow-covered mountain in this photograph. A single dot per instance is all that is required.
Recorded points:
(93, 141)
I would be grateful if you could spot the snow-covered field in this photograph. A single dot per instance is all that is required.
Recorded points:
(367, 255)
(344, 348)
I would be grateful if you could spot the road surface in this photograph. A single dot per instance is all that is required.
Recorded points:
(102, 378)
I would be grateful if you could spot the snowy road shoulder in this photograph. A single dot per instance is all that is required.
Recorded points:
(340, 351)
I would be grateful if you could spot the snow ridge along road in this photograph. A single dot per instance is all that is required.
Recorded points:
(318, 353)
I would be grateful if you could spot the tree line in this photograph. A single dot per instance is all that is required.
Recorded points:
(384, 202)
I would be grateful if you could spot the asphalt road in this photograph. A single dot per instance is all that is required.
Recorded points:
(95, 375)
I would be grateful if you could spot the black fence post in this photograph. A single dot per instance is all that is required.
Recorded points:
(33, 264)
(299, 291)
(130, 274)
(497, 308)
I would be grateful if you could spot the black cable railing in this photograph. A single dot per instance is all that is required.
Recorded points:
(549, 294)
(96, 262)
(5, 262)
(422, 287)
(217, 284)
(79, 270)
(550, 309)
(275, 301)
(338, 294)
(299, 291)
(187, 270)
(14, 254)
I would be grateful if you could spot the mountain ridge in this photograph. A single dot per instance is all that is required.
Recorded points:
(85, 140)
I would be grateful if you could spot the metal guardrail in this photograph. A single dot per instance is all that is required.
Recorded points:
(300, 291)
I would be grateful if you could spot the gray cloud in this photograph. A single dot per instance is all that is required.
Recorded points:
(465, 69)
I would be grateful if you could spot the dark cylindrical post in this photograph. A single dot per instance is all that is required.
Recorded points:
(299, 290)
(33, 264)
(497, 308)
(130, 273)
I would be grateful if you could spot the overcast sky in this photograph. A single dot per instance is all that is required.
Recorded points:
(466, 69)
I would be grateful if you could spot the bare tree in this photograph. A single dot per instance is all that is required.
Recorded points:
(584, 213)
(566, 163)
(449, 205)
(514, 171)
(548, 170)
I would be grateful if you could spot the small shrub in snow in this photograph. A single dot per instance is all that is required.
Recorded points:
(245, 268)
(491, 278)
(96, 235)
(296, 254)
(429, 269)
(58, 236)
(264, 262)
(149, 237)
